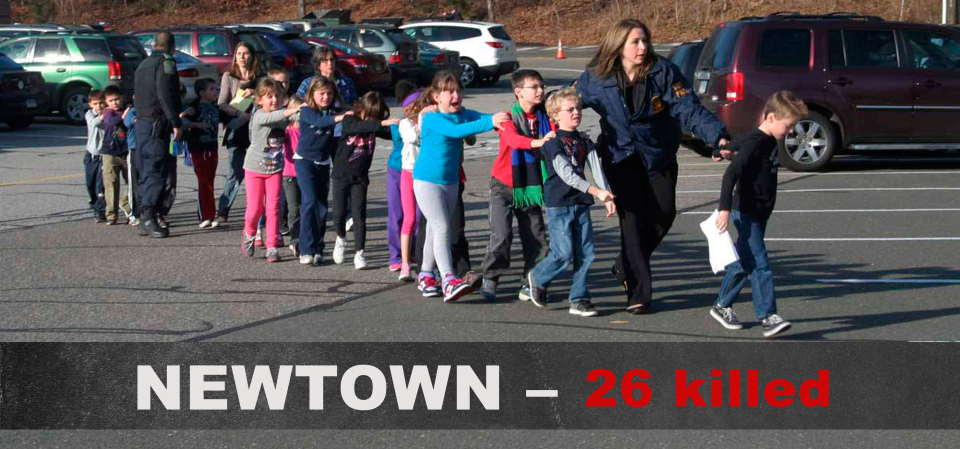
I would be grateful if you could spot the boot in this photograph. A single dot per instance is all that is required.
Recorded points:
(150, 226)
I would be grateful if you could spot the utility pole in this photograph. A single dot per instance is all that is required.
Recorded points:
(303, 9)
(490, 11)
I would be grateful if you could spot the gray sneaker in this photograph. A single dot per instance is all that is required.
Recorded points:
(773, 325)
(488, 290)
(524, 294)
(582, 308)
(726, 317)
(537, 295)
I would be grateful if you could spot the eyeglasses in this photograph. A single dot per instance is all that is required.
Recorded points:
(534, 87)
(570, 110)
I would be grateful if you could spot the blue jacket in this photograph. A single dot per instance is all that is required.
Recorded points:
(317, 140)
(654, 131)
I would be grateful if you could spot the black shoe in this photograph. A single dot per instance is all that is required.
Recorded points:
(616, 273)
(639, 309)
(162, 222)
(99, 218)
(153, 229)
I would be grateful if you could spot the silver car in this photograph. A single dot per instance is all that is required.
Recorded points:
(190, 70)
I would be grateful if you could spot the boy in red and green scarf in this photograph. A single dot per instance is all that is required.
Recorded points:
(516, 185)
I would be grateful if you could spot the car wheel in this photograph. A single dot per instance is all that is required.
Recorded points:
(468, 73)
(75, 105)
(489, 82)
(811, 144)
(21, 122)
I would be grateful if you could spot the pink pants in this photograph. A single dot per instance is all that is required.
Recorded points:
(408, 202)
(263, 188)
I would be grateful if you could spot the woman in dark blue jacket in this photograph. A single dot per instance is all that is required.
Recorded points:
(643, 100)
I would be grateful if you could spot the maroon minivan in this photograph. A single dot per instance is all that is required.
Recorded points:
(869, 84)
(210, 44)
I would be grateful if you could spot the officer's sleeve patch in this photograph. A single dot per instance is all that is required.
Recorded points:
(169, 67)
(657, 104)
(680, 91)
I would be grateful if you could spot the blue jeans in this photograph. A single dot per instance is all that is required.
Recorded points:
(753, 262)
(571, 241)
(231, 185)
(314, 183)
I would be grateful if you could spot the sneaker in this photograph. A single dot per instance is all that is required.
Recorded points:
(273, 255)
(111, 222)
(773, 325)
(317, 260)
(395, 267)
(726, 317)
(488, 290)
(295, 250)
(134, 221)
(258, 240)
(306, 260)
(99, 218)
(582, 308)
(349, 224)
(524, 294)
(338, 249)
(537, 294)
(455, 288)
(359, 262)
(405, 274)
(428, 286)
(206, 224)
(248, 245)
(214, 223)
(162, 222)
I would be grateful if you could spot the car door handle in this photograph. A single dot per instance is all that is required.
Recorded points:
(61, 70)
(840, 81)
(929, 84)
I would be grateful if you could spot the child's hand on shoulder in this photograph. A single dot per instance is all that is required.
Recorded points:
(340, 117)
(126, 112)
(539, 143)
(499, 118)
(723, 220)
(611, 208)
(390, 122)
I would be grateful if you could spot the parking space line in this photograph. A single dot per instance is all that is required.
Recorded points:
(870, 189)
(839, 173)
(888, 281)
(35, 180)
(864, 239)
(830, 211)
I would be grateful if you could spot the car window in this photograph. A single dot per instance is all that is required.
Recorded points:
(933, 50)
(184, 42)
(268, 45)
(870, 49)
(459, 33)
(838, 57)
(399, 37)
(17, 49)
(182, 58)
(344, 35)
(343, 47)
(432, 34)
(412, 32)
(49, 50)
(147, 41)
(213, 44)
(499, 33)
(370, 39)
(7, 64)
(93, 49)
(295, 43)
(785, 48)
(126, 48)
(719, 50)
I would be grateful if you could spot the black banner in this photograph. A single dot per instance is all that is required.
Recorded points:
(479, 386)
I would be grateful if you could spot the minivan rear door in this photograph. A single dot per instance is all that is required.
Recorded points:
(867, 84)
(129, 53)
(715, 65)
(935, 74)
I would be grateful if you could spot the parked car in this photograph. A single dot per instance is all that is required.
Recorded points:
(369, 71)
(397, 48)
(280, 49)
(486, 50)
(11, 31)
(73, 63)
(190, 70)
(22, 94)
(434, 59)
(869, 84)
(302, 25)
(275, 26)
(211, 44)
(685, 56)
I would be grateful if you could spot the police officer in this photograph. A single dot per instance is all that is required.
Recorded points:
(643, 100)
(157, 101)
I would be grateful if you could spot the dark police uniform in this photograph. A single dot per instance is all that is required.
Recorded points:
(158, 105)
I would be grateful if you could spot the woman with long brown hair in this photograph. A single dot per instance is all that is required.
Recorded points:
(643, 100)
(241, 77)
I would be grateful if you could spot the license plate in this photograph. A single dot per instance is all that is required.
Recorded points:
(31, 103)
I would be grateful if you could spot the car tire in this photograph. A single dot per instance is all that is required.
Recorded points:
(470, 73)
(74, 104)
(812, 144)
(21, 122)
(489, 82)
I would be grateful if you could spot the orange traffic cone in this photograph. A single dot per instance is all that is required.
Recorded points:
(560, 53)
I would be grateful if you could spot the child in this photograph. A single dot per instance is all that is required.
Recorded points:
(395, 211)
(280, 76)
(92, 163)
(351, 167)
(567, 197)
(290, 189)
(113, 152)
(750, 190)
(410, 134)
(263, 166)
(436, 176)
(516, 185)
(315, 147)
(203, 145)
(133, 166)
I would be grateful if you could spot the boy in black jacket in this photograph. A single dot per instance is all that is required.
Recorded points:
(750, 191)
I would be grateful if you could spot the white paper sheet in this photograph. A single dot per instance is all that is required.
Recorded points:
(722, 250)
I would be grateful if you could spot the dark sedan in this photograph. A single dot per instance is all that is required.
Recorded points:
(369, 71)
(22, 95)
(434, 59)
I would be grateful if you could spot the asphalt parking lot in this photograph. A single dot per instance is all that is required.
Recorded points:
(864, 251)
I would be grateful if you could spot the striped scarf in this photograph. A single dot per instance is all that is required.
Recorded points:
(528, 171)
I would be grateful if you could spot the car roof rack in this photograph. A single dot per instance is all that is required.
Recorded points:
(840, 15)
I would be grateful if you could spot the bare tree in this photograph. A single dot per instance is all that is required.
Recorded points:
(489, 11)
(303, 8)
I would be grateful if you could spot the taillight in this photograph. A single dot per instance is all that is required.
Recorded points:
(114, 68)
(495, 44)
(396, 58)
(438, 60)
(290, 62)
(735, 86)
(189, 73)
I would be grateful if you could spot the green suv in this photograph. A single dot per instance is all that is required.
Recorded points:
(73, 63)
